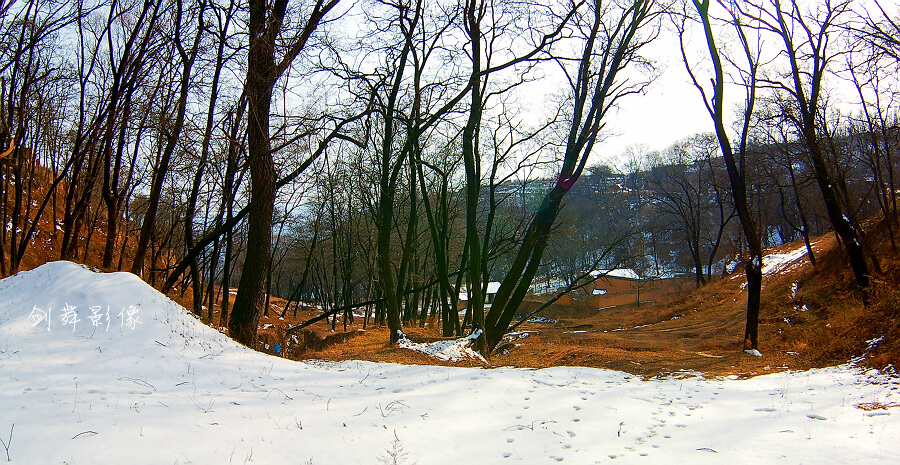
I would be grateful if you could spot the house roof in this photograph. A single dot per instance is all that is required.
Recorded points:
(492, 288)
(627, 273)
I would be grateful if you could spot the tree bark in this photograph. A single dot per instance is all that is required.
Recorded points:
(262, 74)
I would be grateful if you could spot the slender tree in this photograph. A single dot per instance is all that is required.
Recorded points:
(714, 100)
(806, 40)
(612, 35)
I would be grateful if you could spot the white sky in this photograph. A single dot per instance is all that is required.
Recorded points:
(671, 110)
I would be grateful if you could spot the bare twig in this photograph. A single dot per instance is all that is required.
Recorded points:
(282, 393)
(138, 381)
(8, 442)
(83, 433)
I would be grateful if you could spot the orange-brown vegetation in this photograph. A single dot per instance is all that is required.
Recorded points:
(696, 331)
(46, 243)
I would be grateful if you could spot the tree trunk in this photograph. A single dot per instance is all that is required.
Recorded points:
(262, 74)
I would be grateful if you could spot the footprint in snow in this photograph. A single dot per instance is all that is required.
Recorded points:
(571, 433)
(507, 455)
(814, 416)
(510, 439)
(765, 409)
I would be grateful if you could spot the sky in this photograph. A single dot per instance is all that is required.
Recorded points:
(669, 110)
(672, 108)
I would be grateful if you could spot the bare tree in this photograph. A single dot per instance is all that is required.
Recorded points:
(612, 37)
(33, 80)
(187, 58)
(735, 163)
(875, 55)
(807, 38)
(263, 71)
(683, 182)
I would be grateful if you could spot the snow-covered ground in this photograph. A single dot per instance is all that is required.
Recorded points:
(779, 262)
(167, 389)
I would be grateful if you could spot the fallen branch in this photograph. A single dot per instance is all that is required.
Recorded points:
(571, 287)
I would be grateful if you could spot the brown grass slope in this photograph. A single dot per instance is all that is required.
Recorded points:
(824, 324)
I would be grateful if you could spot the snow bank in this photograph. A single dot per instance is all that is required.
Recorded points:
(779, 262)
(627, 273)
(174, 391)
(453, 350)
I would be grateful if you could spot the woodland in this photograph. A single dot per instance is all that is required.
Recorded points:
(391, 155)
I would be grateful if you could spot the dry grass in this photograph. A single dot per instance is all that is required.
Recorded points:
(699, 331)
(871, 406)
(46, 243)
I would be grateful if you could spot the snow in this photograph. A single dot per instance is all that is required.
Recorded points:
(172, 390)
(626, 273)
(779, 262)
(775, 263)
(453, 350)
(492, 288)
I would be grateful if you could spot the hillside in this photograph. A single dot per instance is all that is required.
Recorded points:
(821, 323)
